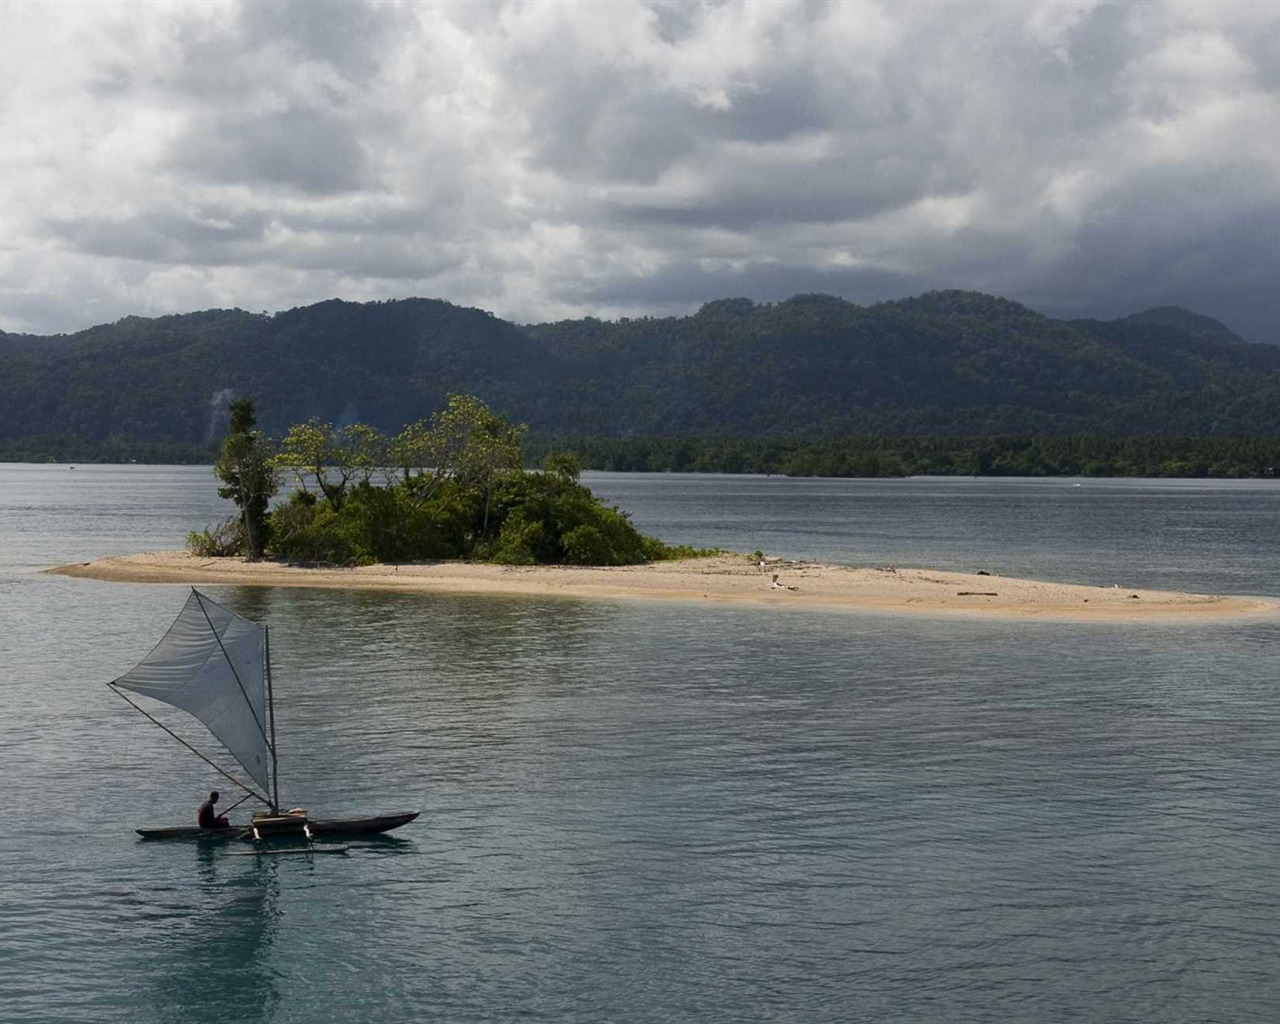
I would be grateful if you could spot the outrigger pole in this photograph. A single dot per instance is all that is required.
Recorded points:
(216, 767)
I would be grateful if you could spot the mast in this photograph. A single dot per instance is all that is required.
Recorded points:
(271, 717)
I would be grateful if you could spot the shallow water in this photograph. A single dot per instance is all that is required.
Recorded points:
(637, 812)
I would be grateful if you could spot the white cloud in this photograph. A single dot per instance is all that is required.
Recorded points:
(555, 159)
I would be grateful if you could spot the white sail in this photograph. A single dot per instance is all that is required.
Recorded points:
(211, 664)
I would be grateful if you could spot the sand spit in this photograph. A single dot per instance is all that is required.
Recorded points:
(725, 578)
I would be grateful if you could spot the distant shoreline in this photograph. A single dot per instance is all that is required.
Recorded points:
(722, 579)
(1220, 459)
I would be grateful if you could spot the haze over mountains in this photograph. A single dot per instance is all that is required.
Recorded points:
(944, 363)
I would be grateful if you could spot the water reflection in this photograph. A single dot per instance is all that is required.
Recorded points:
(214, 964)
(650, 813)
(356, 666)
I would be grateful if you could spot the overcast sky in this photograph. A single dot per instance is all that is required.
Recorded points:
(551, 160)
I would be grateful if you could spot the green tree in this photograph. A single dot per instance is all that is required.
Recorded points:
(463, 494)
(247, 470)
(478, 448)
(563, 466)
(330, 458)
(367, 449)
(418, 452)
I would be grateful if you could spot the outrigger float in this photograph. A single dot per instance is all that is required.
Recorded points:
(216, 666)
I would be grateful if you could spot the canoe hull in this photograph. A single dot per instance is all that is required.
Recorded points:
(371, 826)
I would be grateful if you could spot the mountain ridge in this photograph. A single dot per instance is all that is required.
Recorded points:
(942, 363)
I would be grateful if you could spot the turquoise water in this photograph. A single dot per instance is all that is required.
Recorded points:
(638, 812)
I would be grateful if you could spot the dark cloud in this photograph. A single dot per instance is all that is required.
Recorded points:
(557, 159)
(164, 236)
(1199, 237)
(349, 37)
(306, 150)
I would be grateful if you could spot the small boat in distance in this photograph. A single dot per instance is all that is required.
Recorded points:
(216, 666)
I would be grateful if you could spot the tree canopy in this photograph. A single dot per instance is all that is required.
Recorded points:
(451, 486)
(246, 467)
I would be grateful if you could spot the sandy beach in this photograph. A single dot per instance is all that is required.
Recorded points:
(725, 578)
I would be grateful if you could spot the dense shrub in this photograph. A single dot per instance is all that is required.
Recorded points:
(221, 540)
(550, 517)
(531, 518)
(306, 530)
(523, 541)
(458, 489)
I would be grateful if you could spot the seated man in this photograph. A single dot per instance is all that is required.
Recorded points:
(205, 817)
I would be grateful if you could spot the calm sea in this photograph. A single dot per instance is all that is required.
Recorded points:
(640, 812)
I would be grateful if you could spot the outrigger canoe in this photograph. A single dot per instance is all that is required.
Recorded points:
(318, 829)
(216, 666)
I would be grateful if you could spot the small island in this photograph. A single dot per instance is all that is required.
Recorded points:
(724, 579)
(459, 513)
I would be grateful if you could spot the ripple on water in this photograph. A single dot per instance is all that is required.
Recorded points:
(645, 813)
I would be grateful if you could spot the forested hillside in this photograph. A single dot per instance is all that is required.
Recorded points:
(812, 367)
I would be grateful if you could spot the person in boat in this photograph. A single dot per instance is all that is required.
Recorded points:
(207, 818)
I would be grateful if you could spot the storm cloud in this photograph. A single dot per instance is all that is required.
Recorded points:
(548, 160)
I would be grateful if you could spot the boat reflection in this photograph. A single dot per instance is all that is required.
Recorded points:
(215, 964)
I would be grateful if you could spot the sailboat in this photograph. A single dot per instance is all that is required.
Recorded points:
(216, 666)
